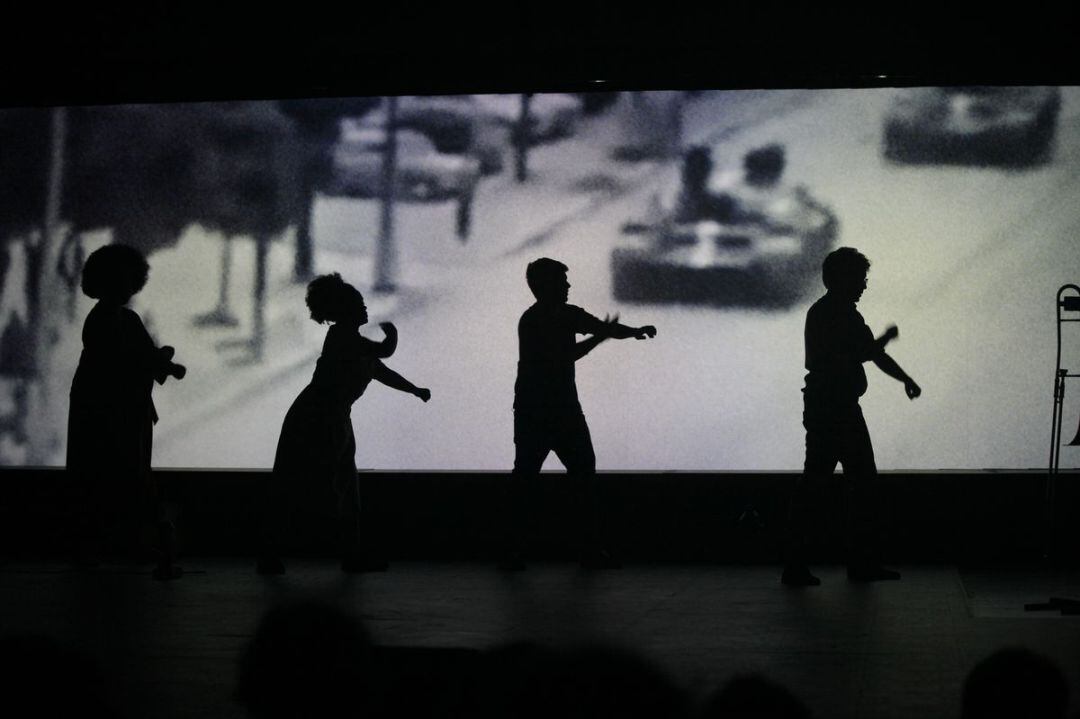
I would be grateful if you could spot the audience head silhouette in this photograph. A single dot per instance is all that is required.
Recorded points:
(547, 280)
(765, 165)
(844, 272)
(41, 677)
(529, 681)
(1015, 682)
(750, 696)
(332, 299)
(306, 660)
(114, 273)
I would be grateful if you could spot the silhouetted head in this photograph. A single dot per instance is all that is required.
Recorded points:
(750, 696)
(114, 273)
(1015, 682)
(306, 660)
(764, 165)
(332, 299)
(532, 682)
(697, 166)
(844, 273)
(547, 280)
(49, 679)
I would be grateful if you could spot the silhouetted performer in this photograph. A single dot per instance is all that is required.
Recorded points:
(547, 414)
(111, 415)
(837, 343)
(316, 450)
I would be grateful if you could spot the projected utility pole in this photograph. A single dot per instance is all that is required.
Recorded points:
(385, 251)
(521, 139)
(42, 419)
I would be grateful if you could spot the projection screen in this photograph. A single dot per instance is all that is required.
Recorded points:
(963, 199)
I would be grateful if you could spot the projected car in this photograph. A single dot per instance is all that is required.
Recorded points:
(456, 124)
(756, 263)
(551, 115)
(422, 174)
(976, 125)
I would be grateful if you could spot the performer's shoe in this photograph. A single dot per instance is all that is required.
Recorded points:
(871, 573)
(356, 564)
(511, 562)
(600, 559)
(267, 566)
(798, 575)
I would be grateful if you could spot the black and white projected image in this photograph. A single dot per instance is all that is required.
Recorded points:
(705, 214)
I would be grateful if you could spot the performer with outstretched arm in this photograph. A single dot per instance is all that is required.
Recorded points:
(838, 342)
(316, 450)
(547, 413)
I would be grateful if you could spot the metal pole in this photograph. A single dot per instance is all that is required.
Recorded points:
(1060, 376)
(1059, 381)
(1057, 420)
(1054, 432)
(385, 250)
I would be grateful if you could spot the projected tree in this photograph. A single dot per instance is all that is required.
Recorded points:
(145, 172)
(317, 123)
(24, 147)
(247, 168)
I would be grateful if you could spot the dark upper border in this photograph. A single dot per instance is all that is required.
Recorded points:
(196, 50)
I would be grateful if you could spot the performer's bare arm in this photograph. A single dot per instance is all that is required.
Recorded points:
(889, 366)
(611, 329)
(384, 349)
(393, 380)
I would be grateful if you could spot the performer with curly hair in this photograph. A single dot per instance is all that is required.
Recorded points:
(111, 416)
(316, 449)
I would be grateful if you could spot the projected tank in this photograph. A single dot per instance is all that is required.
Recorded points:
(743, 239)
(972, 125)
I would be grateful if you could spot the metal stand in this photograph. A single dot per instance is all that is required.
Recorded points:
(1064, 303)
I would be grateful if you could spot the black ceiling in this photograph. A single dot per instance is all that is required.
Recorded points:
(201, 50)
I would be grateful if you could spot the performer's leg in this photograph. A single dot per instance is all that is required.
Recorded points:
(163, 530)
(85, 533)
(82, 534)
(574, 449)
(860, 474)
(273, 516)
(357, 517)
(820, 462)
(274, 500)
(531, 447)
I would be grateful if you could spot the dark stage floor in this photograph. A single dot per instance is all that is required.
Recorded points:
(897, 649)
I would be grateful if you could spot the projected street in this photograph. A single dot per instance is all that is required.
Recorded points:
(966, 259)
